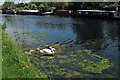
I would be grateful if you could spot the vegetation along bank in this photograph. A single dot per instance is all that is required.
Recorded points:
(15, 63)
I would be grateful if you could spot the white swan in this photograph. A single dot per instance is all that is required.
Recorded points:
(48, 51)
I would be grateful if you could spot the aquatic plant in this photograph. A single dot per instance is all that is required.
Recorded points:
(33, 36)
(97, 67)
(40, 40)
(72, 52)
(28, 33)
(42, 34)
(51, 65)
(72, 38)
(73, 55)
(61, 35)
(58, 71)
(93, 64)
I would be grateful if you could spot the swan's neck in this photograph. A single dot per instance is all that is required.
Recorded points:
(52, 50)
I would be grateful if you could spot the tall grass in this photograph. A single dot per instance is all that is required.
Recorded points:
(16, 64)
(3, 26)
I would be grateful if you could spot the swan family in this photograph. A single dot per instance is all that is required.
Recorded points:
(47, 51)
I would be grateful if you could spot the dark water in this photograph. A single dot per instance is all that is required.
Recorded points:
(96, 36)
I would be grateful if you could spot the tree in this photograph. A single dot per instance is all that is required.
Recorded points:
(41, 6)
(88, 5)
(65, 5)
(20, 5)
(26, 7)
(33, 7)
(29, 5)
(8, 5)
(61, 5)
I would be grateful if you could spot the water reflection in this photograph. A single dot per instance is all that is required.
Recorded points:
(90, 30)
(61, 27)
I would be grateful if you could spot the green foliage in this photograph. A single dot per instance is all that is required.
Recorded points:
(16, 64)
(57, 5)
(29, 5)
(89, 5)
(51, 8)
(65, 5)
(20, 8)
(26, 8)
(8, 6)
(33, 7)
(3, 27)
(41, 6)
(20, 5)
(61, 5)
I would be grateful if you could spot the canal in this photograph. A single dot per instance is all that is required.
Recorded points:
(85, 47)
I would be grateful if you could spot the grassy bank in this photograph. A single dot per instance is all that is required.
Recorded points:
(16, 64)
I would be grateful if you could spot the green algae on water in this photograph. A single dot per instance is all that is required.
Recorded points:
(27, 33)
(72, 38)
(94, 64)
(41, 34)
(61, 35)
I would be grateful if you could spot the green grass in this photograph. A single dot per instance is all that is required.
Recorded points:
(16, 64)
(3, 26)
(0, 54)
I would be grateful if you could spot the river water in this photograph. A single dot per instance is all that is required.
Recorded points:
(85, 47)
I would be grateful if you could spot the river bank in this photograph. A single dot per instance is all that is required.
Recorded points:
(15, 63)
